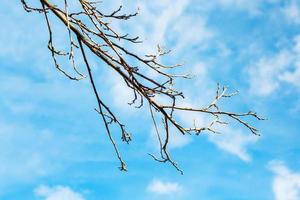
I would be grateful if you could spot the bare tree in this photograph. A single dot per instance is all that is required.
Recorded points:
(89, 29)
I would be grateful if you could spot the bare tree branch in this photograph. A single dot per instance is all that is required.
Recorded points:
(93, 31)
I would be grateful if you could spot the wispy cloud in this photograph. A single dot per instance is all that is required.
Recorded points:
(33, 163)
(292, 12)
(164, 188)
(167, 23)
(267, 75)
(286, 183)
(234, 142)
(157, 18)
(120, 94)
(57, 193)
(30, 152)
(197, 34)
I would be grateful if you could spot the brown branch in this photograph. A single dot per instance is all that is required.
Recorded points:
(94, 32)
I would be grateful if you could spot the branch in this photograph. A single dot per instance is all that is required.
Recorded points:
(94, 33)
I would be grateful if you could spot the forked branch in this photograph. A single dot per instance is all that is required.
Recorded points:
(93, 32)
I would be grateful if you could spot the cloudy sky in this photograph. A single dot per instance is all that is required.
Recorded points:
(53, 145)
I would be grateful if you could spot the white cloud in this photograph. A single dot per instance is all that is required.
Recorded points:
(156, 18)
(197, 33)
(286, 183)
(264, 75)
(165, 22)
(14, 43)
(234, 142)
(34, 164)
(164, 188)
(23, 160)
(57, 193)
(292, 76)
(267, 75)
(121, 94)
(292, 12)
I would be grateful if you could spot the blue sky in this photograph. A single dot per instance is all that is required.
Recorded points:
(53, 145)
